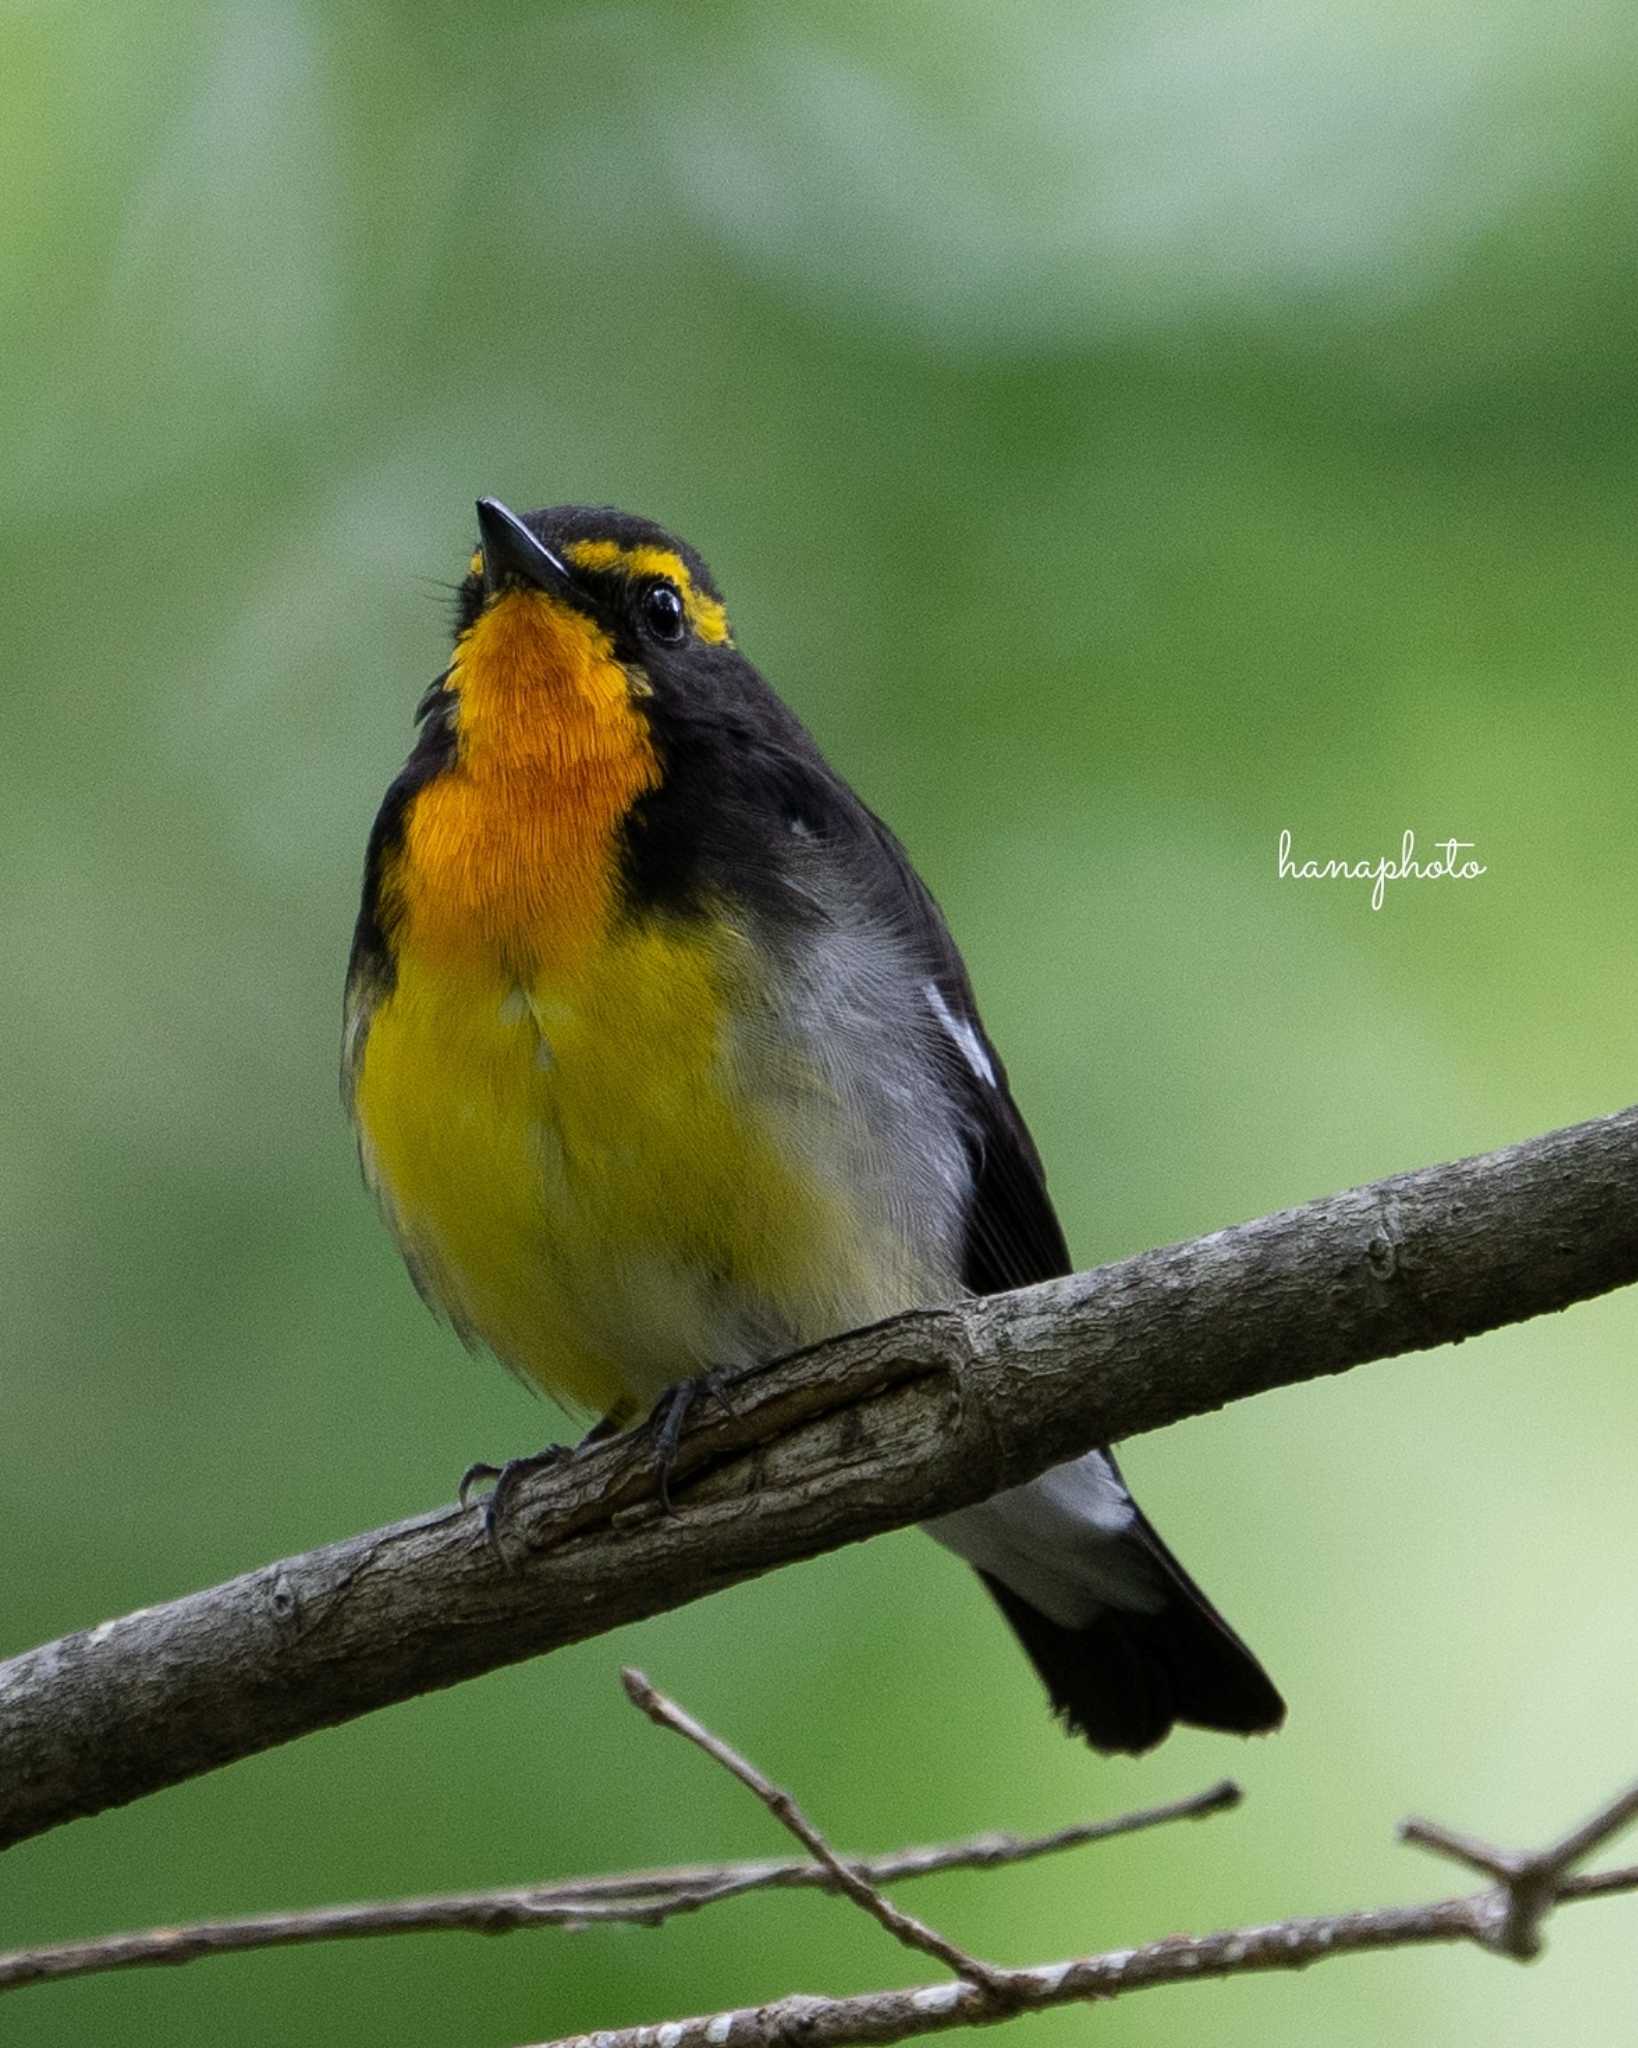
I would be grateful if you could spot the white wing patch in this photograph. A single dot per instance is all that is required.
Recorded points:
(961, 1031)
(1060, 1543)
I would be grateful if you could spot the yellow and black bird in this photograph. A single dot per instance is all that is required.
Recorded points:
(663, 1062)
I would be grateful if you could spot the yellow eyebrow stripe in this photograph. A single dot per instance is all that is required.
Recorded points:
(707, 615)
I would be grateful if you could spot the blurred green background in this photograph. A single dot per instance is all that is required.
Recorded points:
(1123, 432)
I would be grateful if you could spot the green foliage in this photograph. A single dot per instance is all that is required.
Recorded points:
(1123, 433)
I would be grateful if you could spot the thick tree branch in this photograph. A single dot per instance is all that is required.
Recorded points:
(890, 1425)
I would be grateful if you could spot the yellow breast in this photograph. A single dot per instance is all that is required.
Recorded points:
(575, 1176)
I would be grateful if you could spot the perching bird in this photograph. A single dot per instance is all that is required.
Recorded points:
(663, 1062)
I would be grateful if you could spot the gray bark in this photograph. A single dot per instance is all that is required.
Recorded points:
(884, 1427)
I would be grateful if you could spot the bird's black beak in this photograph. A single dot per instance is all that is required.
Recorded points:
(511, 553)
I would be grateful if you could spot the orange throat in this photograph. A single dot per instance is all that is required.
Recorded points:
(511, 852)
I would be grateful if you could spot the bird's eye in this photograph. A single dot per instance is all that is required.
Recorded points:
(663, 611)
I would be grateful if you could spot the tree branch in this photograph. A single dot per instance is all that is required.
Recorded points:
(642, 1898)
(881, 2016)
(890, 1425)
(1526, 1884)
(1505, 1918)
(904, 1927)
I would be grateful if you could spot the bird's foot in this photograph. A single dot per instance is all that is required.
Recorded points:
(506, 1478)
(669, 1414)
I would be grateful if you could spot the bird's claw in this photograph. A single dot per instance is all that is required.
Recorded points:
(669, 1414)
(474, 1475)
(506, 1480)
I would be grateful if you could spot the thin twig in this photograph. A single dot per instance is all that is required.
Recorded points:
(1528, 1884)
(642, 1898)
(887, 2016)
(1456, 1847)
(904, 1927)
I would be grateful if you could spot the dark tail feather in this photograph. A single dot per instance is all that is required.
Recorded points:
(1126, 1679)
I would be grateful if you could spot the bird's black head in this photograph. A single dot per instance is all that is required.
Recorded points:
(650, 592)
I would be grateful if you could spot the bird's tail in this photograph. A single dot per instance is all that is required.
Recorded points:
(1125, 1641)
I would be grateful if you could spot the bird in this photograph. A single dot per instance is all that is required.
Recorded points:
(663, 1062)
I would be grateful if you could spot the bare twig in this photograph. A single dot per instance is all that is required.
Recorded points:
(911, 1419)
(1528, 1884)
(642, 1898)
(886, 2016)
(904, 1927)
